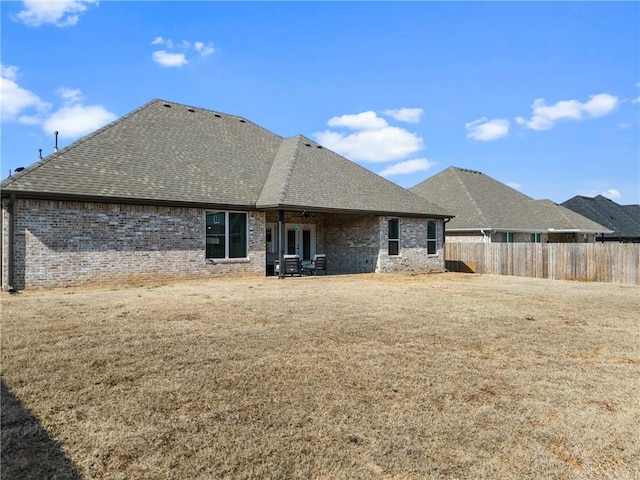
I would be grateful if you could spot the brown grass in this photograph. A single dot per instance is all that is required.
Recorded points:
(339, 377)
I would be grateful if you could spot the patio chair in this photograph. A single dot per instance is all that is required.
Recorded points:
(318, 264)
(291, 265)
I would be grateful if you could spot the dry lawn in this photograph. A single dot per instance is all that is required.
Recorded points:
(447, 376)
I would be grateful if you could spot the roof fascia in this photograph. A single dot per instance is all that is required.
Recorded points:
(530, 230)
(346, 211)
(173, 203)
(122, 200)
(577, 230)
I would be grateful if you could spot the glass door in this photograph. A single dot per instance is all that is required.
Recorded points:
(301, 240)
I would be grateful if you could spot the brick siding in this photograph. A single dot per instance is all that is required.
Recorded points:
(62, 243)
(413, 256)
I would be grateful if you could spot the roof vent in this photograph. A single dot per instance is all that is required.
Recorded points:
(19, 169)
(318, 146)
(166, 105)
(190, 110)
(307, 144)
(470, 171)
(243, 121)
(217, 115)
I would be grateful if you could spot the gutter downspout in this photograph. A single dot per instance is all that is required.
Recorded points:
(444, 230)
(486, 239)
(487, 235)
(444, 241)
(12, 201)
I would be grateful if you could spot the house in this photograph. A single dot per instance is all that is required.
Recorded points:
(623, 220)
(171, 190)
(489, 211)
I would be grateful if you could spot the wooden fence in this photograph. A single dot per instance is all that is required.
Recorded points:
(588, 262)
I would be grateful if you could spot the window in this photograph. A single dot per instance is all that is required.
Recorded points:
(536, 237)
(226, 235)
(432, 237)
(507, 237)
(271, 234)
(394, 236)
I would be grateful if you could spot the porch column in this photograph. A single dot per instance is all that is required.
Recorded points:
(283, 238)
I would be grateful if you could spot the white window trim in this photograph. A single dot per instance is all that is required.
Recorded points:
(226, 258)
(505, 235)
(434, 240)
(274, 237)
(389, 239)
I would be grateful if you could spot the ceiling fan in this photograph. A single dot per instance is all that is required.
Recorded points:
(305, 214)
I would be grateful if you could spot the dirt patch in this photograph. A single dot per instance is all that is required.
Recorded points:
(355, 376)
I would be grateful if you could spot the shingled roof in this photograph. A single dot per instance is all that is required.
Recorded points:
(168, 153)
(623, 220)
(482, 203)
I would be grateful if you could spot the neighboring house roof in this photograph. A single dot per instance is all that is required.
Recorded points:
(482, 203)
(623, 220)
(166, 152)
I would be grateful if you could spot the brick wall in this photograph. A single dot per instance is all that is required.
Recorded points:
(62, 243)
(352, 242)
(359, 244)
(413, 256)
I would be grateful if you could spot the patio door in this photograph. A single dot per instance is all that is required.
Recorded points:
(301, 240)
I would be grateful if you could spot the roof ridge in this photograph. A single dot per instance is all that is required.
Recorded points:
(276, 184)
(208, 110)
(289, 167)
(466, 189)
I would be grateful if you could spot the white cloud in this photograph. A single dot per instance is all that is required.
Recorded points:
(487, 130)
(61, 13)
(162, 41)
(176, 55)
(204, 50)
(611, 193)
(71, 95)
(360, 121)
(166, 59)
(600, 105)
(544, 117)
(374, 140)
(381, 145)
(73, 121)
(16, 100)
(409, 115)
(407, 167)
(9, 72)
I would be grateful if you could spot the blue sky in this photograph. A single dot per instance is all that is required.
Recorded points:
(542, 96)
